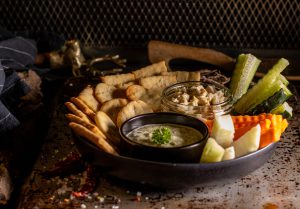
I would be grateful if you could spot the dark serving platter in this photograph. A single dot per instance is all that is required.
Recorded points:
(180, 175)
(173, 175)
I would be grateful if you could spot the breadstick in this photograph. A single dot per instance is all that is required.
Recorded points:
(77, 112)
(92, 137)
(90, 126)
(83, 107)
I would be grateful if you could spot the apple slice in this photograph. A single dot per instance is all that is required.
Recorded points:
(247, 143)
(229, 153)
(223, 130)
(212, 152)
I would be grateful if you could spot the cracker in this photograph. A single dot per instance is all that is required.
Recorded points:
(195, 76)
(77, 112)
(90, 126)
(108, 127)
(135, 92)
(150, 96)
(83, 107)
(181, 76)
(117, 79)
(132, 109)
(104, 92)
(87, 96)
(124, 86)
(153, 98)
(150, 70)
(158, 82)
(112, 107)
(92, 137)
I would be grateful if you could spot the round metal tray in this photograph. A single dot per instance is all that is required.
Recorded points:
(173, 175)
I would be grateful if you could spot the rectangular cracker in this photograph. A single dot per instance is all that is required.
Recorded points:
(117, 79)
(181, 76)
(195, 76)
(151, 70)
(158, 82)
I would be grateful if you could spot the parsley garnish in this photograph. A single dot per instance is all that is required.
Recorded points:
(161, 135)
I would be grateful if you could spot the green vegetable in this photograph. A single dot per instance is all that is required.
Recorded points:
(272, 102)
(285, 110)
(261, 96)
(212, 152)
(243, 74)
(266, 87)
(283, 80)
(247, 143)
(161, 135)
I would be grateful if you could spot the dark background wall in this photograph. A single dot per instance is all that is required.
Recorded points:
(271, 24)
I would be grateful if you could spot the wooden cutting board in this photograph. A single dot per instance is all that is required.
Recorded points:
(159, 50)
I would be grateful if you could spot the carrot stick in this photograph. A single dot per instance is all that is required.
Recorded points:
(242, 121)
(284, 125)
(264, 124)
(273, 133)
(246, 120)
(272, 126)
(209, 124)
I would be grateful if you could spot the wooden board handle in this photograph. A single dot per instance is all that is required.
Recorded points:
(159, 51)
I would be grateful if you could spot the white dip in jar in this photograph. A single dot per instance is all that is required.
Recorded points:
(197, 99)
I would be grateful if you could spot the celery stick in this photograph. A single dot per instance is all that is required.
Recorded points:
(283, 79)
(243, 74)
(265, 88)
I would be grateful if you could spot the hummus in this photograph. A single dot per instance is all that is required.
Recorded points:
(180, 135)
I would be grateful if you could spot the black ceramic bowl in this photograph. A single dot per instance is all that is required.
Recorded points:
(190, 153)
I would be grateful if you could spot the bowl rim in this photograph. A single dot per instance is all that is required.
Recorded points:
(205, 135)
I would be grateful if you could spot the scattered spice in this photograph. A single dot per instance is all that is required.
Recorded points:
(73, 163)
(138, 196)
(89, 185)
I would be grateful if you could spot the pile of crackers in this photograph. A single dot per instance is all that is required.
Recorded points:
(98, 111)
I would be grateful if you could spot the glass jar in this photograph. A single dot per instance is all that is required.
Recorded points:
(207, 111)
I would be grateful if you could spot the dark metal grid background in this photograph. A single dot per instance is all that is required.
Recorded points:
(117, 23)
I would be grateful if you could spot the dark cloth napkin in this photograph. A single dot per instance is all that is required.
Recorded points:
(15, 54)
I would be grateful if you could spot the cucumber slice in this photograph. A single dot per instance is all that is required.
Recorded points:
(285, 110)
(272, 102)
(223, 130)
(243, 74)
(266, 87)
(212, 152)
(263, 95)
(229, 154)
(247, 143)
